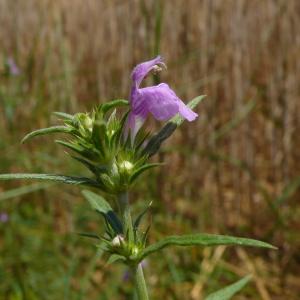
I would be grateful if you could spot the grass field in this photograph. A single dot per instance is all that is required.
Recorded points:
(234, 171)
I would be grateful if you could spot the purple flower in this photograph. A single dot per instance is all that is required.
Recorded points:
(4, 217)
(127, 275)
(12, 67)
(159, 100)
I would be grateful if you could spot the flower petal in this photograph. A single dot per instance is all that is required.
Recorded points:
(142, 69)
(160, 100)
(134, 123)
(186, 112)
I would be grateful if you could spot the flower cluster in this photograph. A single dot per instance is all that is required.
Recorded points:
(97, 141)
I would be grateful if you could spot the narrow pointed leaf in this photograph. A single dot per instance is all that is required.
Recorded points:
(119, 134)
(145, 235)
(142, 169)
(139, 218)
(87, 164)
(63, 115)
(201, 240)
(115, 257)
(99, 204)
(98, 135)
(81, 150)
(52, 177)
(141, 141)
(156, 141)
(93, 168)
(44, 131)
(114, 222)
(76, 148)
(113, 104)
(89, 235)
(228, 292)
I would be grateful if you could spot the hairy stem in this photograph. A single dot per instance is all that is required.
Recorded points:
(126, 215)
(140, 283)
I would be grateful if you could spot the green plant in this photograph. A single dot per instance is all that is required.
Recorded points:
(112, 144)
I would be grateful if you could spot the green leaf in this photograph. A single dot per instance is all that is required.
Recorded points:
(145, 235)
(229, 291)
(201, 240)
(99, 135)
(142, 169)
(140, 216)
(113, 221)
(99, 204)
(74, 147)
(118, 135)
(44, 131)
(83, 150)
(52, 177)
(93, 168)
(112, 104)
(115, 257)
(63, 115)
(89, 235)
(156, 141)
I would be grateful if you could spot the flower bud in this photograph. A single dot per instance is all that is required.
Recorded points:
(118, 240)
(134, 251)
(126, 166)
(88, 123)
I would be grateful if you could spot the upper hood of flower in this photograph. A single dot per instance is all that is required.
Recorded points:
(142, 69)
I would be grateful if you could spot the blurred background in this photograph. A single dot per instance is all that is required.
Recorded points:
(234, 171)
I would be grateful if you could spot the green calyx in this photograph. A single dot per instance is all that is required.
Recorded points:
(126, 251)
(97, 141)
(120, 241)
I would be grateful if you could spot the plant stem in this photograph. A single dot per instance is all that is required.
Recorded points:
(139, 279)
(127, 221)
(140, 283)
